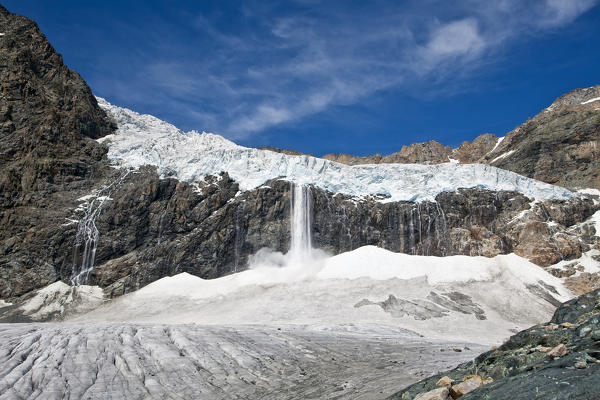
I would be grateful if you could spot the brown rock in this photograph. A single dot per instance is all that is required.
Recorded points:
(558, 351)
(435, 394)
(465, 387)
(470, 152)
(444, 381)
(487, 381)
(583, 283)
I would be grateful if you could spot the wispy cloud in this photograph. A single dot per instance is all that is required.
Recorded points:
(274, 65)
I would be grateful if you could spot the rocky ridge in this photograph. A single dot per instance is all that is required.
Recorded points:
(48, 120)
(430, 152)
(557, 360)
(559, 145)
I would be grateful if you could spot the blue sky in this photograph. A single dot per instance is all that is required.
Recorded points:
(359, 77)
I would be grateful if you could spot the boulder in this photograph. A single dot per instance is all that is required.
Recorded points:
(558, 351)
(435, 394)
(444, 381)
(465, 387)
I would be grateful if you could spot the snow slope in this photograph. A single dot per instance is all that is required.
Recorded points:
(478, 299)
(188, 156)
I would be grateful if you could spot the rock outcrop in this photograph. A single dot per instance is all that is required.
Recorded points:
(557, 360)
(431, 152)
(155, 228)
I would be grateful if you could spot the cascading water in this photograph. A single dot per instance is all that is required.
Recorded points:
(87, 233)
(301, 230)
(239, 234)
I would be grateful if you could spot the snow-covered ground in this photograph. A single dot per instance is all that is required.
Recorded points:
(477, 299)
(188, 156)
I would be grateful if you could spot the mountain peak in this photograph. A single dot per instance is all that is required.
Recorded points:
(577, 97)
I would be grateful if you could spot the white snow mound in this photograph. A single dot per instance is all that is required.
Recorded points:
(189, 156)
(58, 299)
(380, 264)
(512, 292)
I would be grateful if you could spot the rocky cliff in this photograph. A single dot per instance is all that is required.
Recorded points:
(165, 227)
(48, 120)
(559, 145)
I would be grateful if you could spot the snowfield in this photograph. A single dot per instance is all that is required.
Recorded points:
(478, 299)
(189, 156)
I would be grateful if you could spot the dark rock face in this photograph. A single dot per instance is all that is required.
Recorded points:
(48, 118)
(468, 222)
(533, 365)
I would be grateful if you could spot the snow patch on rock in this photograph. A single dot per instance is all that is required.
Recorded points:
(503, 155)
(59, 299)
(591, 100)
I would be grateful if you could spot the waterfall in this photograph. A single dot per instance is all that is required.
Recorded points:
(238, 240)
(87, 233)
(301, 237)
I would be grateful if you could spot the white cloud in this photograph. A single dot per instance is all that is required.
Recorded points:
(287, 67)
(559, 12)
(455, 38)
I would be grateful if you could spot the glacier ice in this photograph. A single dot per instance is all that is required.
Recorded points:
(129, 361)
(189, 156)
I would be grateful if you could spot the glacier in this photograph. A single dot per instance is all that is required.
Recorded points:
(190, 156)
